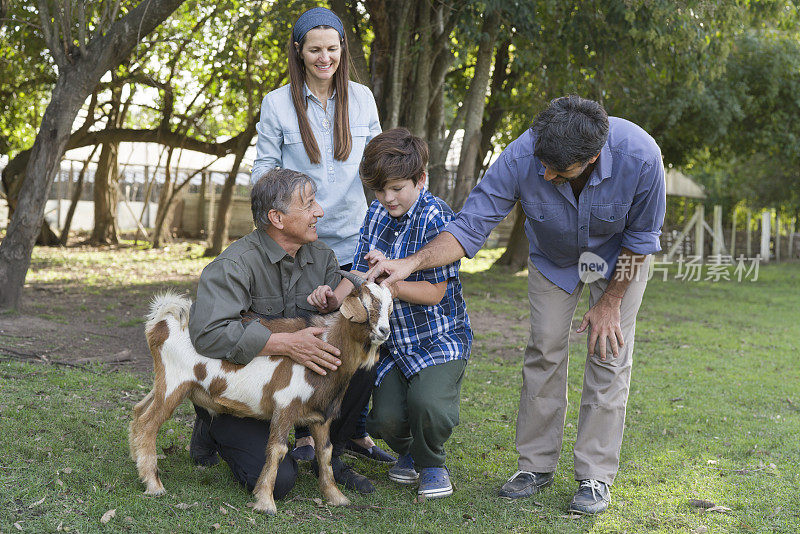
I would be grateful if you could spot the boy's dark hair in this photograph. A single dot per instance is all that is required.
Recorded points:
(273, 191)
(570, 130)
(393, 155)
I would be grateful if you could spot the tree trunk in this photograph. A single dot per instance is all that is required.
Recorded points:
(222, 221)
(164, 201)
(396, 69)
(476, 100)
(106, 179)
(77, 76)
(106, 197)
(419, 107)
(517, 248)
(45, 158)
(76, 197)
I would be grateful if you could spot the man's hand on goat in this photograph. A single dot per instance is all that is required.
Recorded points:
(393, 270)
(324, 299)
(306, 348)
(605, 325)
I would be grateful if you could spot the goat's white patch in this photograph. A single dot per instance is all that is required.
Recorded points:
(298, 388)
(384, 298)
(179, 358)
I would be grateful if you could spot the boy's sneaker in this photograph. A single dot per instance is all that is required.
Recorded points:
(403, 471)
(434, 482)
(591, 498)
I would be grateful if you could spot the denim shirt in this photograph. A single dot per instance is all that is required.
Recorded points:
(622, 204)
(339, 189)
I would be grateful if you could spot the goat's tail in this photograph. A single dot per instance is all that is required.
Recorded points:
(166, 304)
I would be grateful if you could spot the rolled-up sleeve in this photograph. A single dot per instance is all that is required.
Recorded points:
(268, 142)
(646, 215)
(488, 204)
(215, 322)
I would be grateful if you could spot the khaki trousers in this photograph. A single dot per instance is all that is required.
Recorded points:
(543, 399)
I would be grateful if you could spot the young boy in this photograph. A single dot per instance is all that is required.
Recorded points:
(416, 401)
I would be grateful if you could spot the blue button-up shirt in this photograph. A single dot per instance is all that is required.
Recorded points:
(339, 189)
(421, 335)
(622, 204)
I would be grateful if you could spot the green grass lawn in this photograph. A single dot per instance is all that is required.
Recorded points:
(714, 414)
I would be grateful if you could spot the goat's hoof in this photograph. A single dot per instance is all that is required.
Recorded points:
(267, 508)
(339, 500)
(155, 492)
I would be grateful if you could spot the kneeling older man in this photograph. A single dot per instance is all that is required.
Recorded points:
(271, 272)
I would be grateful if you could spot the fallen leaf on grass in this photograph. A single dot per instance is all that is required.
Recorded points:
(222, 510)
(60, 526)
(37, 503)
(419, 499)
(700, 530)
(318, 502)
(108, 515)
(67, 470)
(17, 526)
(720, 509)
(701, 503)
(216, 526)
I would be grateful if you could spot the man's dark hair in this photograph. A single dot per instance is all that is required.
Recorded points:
(273, 191)
(570, 130)
(393, 155)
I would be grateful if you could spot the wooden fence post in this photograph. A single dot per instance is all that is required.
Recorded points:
(777, 236)
(699, 236)
(733, 233)
(749, 234)
(717, 243)
(766, 219)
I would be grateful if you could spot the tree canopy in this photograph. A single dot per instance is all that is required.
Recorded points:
(714, 83)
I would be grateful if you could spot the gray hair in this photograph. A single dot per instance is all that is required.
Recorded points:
(570, 130)
(273, 191)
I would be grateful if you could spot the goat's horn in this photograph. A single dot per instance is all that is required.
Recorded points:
(357, 280)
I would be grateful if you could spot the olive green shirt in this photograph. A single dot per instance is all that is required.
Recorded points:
(255, 273)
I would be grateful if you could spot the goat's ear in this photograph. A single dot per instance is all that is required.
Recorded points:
(353, 310)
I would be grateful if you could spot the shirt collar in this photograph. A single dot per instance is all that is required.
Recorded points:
(275, 252)
(308, 94)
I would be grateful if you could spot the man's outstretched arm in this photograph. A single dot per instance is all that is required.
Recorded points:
(442, 250)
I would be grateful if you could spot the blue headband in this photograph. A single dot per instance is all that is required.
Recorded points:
(316, 16)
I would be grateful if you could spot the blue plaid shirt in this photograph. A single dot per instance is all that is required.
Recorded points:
(421, 335)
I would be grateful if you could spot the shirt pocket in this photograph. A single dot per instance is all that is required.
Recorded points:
(608, 219)
(294, 148)
(359, 135)
(550, 229)
(268, 306)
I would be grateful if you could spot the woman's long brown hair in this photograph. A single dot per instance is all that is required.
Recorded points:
(342, 140)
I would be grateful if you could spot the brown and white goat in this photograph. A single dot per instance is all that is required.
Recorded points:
(274, 387)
